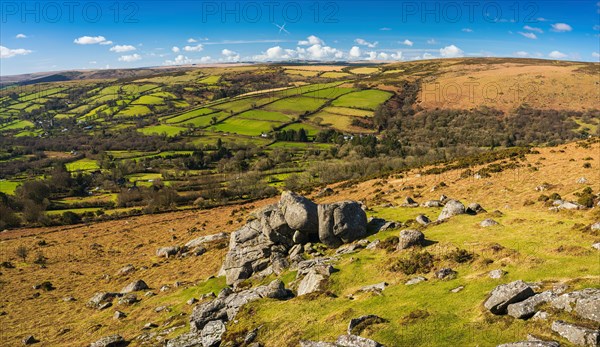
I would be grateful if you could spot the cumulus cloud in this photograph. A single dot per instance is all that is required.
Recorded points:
(175, 49)
(530, 28)
(311, 40)
(561, 27)
(196, 48)
(407, 42)
(92, 40)
(528, 35)
(130, 58)
(319, 52)
(451, 52)
(521, 54)
(276, 53)
(21, 36)
(230, 55)
(557, 55)
(179, 60)
(467, 30)
(6, 52)
(122, 48)
(428, 56)
(192, 40)
(355, 52)
(363, 42)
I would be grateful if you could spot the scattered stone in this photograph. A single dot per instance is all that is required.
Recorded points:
(582, 180)
(595, 226)
(445, 274)
(29, 340)
(496, 274)
(101, 298)
(373, 245)
(415, 280)
(119, 315)
(475, 208)
(589, 307)
(206, 239)
(531, 344)
(161, 308)
(432, 203)
(451, 209)
(305, 343)
(126, 270)
(570, 301)
(356, 341)
(596, 246)
(363, 321)
(457, 289)
(251, 336)
(486, 223)
(165, 288)
(104, 306)
(69, 299)
(149, 326)
(569, 205)
(192, 301)
(506, 294)
(527, 308)
(376, 225)
(409, 202)
(109, 341)
(312, 282)
(541, 315)
(135, 286)
(409, 238)
(149, 294)
(374, 288)
(128, 299)
(423, 220)
(576, 334)
(167, 251)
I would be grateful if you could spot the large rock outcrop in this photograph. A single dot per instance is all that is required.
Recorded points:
(268, 243)
(506, 294)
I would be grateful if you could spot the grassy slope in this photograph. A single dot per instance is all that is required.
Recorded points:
(531, 235)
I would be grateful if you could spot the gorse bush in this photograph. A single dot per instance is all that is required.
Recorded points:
(416, 262)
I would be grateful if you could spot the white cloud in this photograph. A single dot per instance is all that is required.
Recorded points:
(467, 30)
(192, 40)
(432, 42)
(92, 40)
(541, 19)
(561, 27)
(363, 42)
(596, 55)
(175, 49)
(122, 48)
(521, 54)
(407, 42)
(428, 56)
(230, 55)
(557, 55)
(130, 58)
(318, 52)
(6, 52)
(21, 36)
(197, 48)
(311, 40)
(528, 35)
(451, 52)
(355, 52)
(385, 29)
(537, 30)
(179, 60)
(276, 53)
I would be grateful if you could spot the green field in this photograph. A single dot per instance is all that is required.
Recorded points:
(149, 100)
(84, 164)
(346, 111)
(134, 111)
(210, 80)
(311, 130)
(335, 121)
(168, 130)
(296, 105)
(333, 74)
(245, 126)
(189, 115)
(265, 115)
(16, 125)
(329, 93)
(8, 187)
(241, 105)
(366, 99)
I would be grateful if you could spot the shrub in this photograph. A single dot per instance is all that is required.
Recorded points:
(543, 198)
(69, 217)
(416, 262)
(587, 165)
(22, 252)
(555, 196)
(389, 244)
(460, 256)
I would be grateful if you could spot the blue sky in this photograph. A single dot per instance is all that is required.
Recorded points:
(53, 35)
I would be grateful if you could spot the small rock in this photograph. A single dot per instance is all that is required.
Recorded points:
(445, 274)
(109, 341)
(128, 299)
(192, 301)
(506, 294)
(69, 299)
(475, 208)
(409, 238)
(149, 326)
(457, 289)
(211, 333)
(496, 274)
(486, 223)
(423, 220)
(364, 321)
(596, 246)
(165, 288)
(356, 341)
(527, 307)
(119, 315)
(541, 315)
(595, 226)
(451, 208)
(415, 280)
(378, 287)
(161, 308)
(126, 270)
(582, 180)
(135, 286)
(29, 340)
(167, 251)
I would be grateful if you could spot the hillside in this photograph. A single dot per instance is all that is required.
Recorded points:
(531, 243)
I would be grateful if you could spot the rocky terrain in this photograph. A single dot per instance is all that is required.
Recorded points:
(410, 260)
